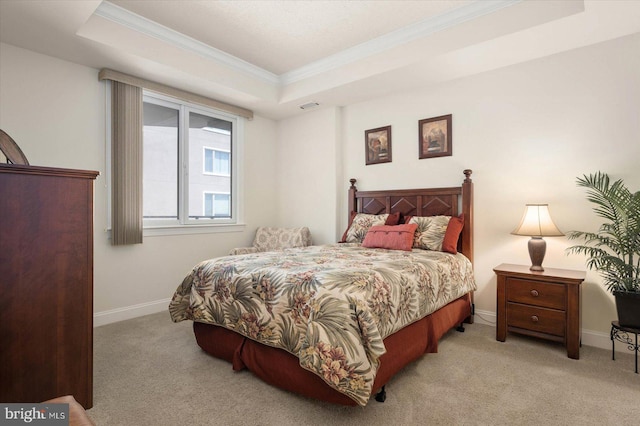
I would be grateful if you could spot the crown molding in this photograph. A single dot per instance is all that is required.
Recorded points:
(380, 44)
(143, 25)
(397, 38)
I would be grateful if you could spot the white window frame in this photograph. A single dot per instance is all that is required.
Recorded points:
(184, 225)
(204, 161)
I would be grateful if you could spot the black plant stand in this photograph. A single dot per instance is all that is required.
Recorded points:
(621, 334)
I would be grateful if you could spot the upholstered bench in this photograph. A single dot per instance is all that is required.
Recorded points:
(273, 239)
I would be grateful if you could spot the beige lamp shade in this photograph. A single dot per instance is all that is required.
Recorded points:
(537, 222)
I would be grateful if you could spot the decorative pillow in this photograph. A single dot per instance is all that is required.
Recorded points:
(450, 242)
(430, 232)
(360, 225)
(393, 219)
(398, 237)
(389, 219)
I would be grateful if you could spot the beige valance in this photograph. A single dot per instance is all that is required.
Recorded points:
(107, 74)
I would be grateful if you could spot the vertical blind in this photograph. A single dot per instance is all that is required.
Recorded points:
(126, 164)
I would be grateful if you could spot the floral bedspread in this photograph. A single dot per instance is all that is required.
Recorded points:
(331, 305)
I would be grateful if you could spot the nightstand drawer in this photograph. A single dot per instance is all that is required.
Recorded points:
(533, 318)
(536, 293)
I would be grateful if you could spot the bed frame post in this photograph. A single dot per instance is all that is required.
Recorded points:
(467, 208)
(353, 201)
(467, 234)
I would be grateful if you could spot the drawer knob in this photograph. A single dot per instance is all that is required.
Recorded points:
(535, 293)
(534, 318)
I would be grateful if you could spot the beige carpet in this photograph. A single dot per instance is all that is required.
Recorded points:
(150, 371)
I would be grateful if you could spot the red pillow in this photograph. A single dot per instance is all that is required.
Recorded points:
(398, 237)
(392, 219)
(450, 241)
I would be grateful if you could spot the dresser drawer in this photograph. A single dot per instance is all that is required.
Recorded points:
(538, 319)
(536, 293)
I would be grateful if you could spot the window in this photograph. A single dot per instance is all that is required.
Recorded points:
(178, 139)
(216, 205)
(217, 162)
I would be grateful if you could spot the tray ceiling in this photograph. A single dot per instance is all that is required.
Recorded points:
(272, 56)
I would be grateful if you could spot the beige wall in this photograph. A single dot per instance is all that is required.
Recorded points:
(55, 110)
(527, 131)
(309, 173)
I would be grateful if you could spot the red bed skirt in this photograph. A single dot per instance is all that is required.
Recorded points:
(279, 368)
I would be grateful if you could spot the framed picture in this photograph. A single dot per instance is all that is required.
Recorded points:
(435, 137)
(377, 145)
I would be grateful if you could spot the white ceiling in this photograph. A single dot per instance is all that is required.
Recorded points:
(281, 36)
(272, 56)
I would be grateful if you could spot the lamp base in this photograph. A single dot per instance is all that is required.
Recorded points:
(537, 249)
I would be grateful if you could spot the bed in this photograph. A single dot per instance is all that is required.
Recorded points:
(336, 322)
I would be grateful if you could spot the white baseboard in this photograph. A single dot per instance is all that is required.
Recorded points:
(596, 339)
(485, 317)
(601, 340)
(130, 312)
(590, 338)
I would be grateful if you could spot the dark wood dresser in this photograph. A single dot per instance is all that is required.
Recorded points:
(46, 284)
(542, 304)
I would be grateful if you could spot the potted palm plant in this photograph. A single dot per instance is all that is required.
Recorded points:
(614, 250)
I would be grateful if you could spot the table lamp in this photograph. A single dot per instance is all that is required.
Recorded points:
(536, 223)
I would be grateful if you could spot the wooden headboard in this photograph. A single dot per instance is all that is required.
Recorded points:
(421, 202)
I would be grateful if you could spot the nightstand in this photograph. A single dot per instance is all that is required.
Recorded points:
(542, 304)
